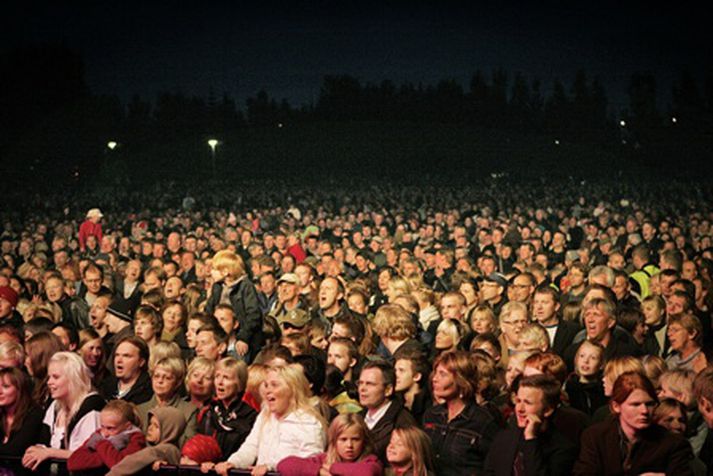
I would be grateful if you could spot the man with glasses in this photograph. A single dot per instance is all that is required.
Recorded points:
(492, 291)
(513, 318)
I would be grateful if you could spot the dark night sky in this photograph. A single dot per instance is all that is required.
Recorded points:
(145, 46)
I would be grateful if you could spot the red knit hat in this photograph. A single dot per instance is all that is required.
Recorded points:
(9, 294)
(202, 449)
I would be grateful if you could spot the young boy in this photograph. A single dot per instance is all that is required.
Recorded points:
(166, 425)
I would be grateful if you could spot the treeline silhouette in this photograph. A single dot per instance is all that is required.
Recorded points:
(53, 126)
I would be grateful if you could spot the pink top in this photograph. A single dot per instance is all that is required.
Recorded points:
(296, 466)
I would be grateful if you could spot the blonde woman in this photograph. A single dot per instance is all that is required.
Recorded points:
(288, 425)
(73, 415)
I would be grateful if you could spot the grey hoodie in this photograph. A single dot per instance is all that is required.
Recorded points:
(172, 423)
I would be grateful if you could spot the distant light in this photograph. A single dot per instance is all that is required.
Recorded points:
(213, 143)
(111, 144)
(622, 123)
(674, 120)
(557, 142)
(623, 141)
(279, 125)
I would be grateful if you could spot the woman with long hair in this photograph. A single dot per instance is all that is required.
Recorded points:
(630, 442)
(349, 452)
(288, 425)
(91, 349)
(20, 416)
(38, 350)
(72, 416)
(409, 453)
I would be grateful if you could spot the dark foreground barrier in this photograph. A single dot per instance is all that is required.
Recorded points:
(12, 466)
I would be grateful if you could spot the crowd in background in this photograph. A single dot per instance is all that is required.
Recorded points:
(536, 327)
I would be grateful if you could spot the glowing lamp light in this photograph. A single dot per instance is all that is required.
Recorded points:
(213, 144)
(557, 142)
(622, 123)
(674, 120)
(111, 145)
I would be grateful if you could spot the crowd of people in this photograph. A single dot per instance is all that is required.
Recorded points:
(316, 331)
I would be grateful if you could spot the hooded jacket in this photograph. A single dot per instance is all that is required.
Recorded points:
(172, 423)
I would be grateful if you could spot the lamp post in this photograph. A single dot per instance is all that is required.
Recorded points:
(212, 143)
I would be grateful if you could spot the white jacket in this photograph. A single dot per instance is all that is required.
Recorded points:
(271, 439)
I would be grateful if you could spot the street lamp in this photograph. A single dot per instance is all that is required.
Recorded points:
(111, 144)
(622, 123)
(213, 143)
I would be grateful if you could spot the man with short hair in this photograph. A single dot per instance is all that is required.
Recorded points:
(92, 280)
(545, 307)
(211, 342)
(492, 291)
(534, 445)
(521, 288)
(382, 413)
(412, 383)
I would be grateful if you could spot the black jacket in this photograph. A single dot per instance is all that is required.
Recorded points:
(460, 445)
(550, 454)
(243, 299)
(140, 392)
(397, 416)
(657, 450)
(566, 330)
(230, 426)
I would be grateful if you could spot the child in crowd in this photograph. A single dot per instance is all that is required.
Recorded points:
(584, 387)
(409, 453)
(118, 436)
(166, 425)
(349, 452)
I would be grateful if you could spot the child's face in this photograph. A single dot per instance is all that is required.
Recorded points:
(588, 361)
(350, 444)
(153, 432)
(397, 453)
(144, 329)
(112, 423)
(319, 341)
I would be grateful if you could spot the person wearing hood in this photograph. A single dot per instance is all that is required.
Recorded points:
(166, 425)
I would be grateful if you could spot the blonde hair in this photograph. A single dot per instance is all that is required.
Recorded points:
(163, 350)
(511, 307)
(534, 336)
(126, 410)
(78, 377)
(453, 329)
(198, 364)
(680, 383)
(10, 350)
(229, 262)
(654, 366)
(238, 367)
(398, 286)
(294, 378)
(176, 366)
(256, 376)
(394, 322)
(339, 425)
(620, 365)
(419, 446)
